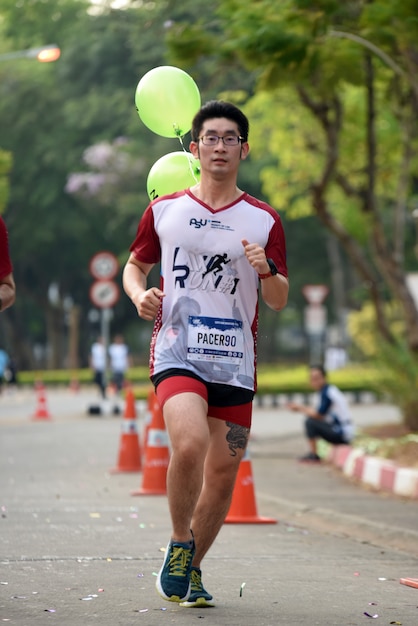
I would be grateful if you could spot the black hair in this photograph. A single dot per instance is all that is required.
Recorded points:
(320, 368)
(220, 108)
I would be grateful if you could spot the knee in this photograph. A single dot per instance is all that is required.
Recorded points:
(221, 477)
(191, 449)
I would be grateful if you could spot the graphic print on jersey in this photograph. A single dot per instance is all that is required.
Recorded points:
(203, 272)
(216, 263)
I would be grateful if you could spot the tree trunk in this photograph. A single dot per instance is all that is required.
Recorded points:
(73, 337)
(330, 118)
(390, 262)
(410, 414)
(54, 331)
(338, 285)
(15, 339)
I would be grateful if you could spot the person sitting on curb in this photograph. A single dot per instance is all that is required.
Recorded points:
(331, 421)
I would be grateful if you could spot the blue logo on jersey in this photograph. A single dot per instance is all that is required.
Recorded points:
(197, 223)
(212, 223)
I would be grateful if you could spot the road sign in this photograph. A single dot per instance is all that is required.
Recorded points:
(104, 265)
(315, 294)
(104, 293)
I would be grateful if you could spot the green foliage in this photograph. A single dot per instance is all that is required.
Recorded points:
(387, 448)
(335, 111)
(363, 329)
(269, 40)
(398, 378)
(296, 145)
(371, 177)
(5, 167)
(396, 365)
(138, 377)
(50, 114)
(294, 140)
(195, 41)
(281, 379)
(392, 22)
(280, 44)
(272, 378)
(280, 122)
(32, 23)
(189, 37)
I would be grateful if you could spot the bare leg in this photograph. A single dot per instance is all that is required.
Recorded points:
(226, 449)
(186, 419)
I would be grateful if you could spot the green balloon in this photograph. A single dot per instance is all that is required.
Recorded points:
(167, 99)
(172, 172)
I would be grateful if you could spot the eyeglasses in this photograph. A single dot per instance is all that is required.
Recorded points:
(213, 140)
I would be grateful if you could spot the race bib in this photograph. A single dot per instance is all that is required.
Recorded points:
(215, 339)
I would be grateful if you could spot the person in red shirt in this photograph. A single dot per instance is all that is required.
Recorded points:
(7, 283)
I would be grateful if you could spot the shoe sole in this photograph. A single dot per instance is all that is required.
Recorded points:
(200, 603)
(171, 598)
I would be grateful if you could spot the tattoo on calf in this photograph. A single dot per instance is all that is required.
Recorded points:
(237, 437)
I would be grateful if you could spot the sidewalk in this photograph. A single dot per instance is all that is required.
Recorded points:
(77, 549)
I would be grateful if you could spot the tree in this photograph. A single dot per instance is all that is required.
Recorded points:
(57, 121)
(5, 166)
(49, 116)
(336, 104)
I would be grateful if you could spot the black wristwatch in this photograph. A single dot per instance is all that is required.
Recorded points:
(273, 270)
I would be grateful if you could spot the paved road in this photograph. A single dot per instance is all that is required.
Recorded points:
(76, 548)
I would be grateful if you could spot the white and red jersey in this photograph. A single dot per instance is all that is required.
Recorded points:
(207, 322)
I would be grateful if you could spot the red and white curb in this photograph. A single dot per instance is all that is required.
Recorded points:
(379, 473)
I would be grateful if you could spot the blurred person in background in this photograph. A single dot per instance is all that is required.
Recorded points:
(4, 360)
(330, 421)
(10, 374)
(119, 361)
(98, 365)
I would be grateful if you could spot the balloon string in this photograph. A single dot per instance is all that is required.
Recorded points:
(188, 158)
(181, 142)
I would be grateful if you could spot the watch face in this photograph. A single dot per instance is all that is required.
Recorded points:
(272, 266)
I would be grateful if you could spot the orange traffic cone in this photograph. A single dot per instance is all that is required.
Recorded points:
(129, 459)
(157, 456)
(243, 509)
(41, 412)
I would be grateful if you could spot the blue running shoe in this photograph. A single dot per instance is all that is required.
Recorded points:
(173, 582)
(199, 597)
